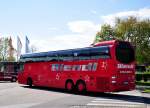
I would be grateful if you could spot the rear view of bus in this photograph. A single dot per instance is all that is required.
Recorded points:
(124, 76)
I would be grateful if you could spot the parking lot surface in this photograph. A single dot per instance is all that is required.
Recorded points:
(13, 95)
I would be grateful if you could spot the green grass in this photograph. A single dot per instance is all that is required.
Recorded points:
(142, 83)
(146, 91)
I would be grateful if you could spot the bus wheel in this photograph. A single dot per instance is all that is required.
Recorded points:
(29, 82)
(81, 86)
(13, 79)
(69, 86)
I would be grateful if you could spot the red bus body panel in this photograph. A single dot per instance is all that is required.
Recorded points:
(109, 76)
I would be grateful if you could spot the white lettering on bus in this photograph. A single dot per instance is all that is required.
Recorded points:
(125, 72)
(83, 67)
(122, 66)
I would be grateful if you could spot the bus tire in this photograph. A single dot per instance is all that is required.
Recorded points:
(13, 79)
(69, 85)
(81, 86)
(29, 82)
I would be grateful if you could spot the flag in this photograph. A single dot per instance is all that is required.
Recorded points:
(19, 47)
(27, 42)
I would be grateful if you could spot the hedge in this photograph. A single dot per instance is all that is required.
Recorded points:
(143, 76)
(142, 83)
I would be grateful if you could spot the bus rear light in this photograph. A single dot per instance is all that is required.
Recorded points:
(113, 82)
(113, 77)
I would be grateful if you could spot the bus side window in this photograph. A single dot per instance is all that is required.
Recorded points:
(84, 54)
(81, 54)
(94, 53)
(66, 56)
(100, 52)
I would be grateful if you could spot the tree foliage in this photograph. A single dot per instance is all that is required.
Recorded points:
(106, 33)
(6, 50)
(133, 30)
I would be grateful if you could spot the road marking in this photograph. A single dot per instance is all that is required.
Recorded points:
(103, 102)
(130, 93)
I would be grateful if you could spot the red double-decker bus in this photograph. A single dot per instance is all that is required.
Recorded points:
(108, 66)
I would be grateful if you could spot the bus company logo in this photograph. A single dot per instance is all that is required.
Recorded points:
(104, 65)
(87, 78)
(122, 66)
(57, 76)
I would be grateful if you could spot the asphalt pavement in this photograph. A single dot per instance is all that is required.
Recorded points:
(13, 95)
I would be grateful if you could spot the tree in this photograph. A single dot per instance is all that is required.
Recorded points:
(133, 30)
(138, 33)
(6, 50)
(106, 33)
(11, 51)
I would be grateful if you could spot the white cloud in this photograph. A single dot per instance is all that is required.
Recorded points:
(68, 41)
(83, 34)
(76, 39)
(83, 26)
(141, 14)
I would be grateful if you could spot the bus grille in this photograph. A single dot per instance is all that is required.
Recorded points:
(102, 83)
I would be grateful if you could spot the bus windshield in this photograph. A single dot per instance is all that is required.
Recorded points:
(124, 52)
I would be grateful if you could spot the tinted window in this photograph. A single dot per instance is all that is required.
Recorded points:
(69, 55)
(52, 56)
(124, 52)
(100, 52)
(65, 55)
(82, 54)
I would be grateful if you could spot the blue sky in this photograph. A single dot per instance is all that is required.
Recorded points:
(62, 24)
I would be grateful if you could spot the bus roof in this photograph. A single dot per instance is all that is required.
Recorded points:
(111, 42)
(56, 53)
